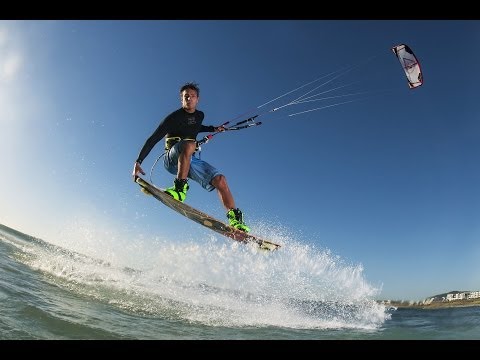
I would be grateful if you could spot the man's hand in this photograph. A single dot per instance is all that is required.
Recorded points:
(137, 169)
(220, 128)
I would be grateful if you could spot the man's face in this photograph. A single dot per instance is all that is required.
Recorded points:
(189, 100)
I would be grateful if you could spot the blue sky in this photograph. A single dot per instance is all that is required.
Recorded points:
(389, 181)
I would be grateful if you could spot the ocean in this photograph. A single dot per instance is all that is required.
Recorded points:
(208, 289)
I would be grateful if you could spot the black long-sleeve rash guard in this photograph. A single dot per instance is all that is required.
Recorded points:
(179, 123)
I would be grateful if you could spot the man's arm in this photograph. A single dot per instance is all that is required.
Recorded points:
(137, 169)
(206, 128)
(158, 135)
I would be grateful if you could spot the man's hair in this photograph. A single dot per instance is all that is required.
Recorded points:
(191, 86)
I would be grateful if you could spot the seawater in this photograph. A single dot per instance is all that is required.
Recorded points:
(207, 289)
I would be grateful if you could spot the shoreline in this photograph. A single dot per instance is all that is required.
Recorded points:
(433, 304)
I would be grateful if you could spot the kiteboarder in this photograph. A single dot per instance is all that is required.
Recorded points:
(180, 129)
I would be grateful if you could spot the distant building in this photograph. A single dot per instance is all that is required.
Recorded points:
(463, 295)
(455, 296)
(473, 295)
(451, 296)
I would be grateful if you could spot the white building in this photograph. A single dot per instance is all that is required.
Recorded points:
(463, 295)
(473, 295)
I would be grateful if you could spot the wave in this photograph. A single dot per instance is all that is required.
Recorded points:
(209, 281)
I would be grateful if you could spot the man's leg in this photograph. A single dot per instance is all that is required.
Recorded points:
(234, 215)
(188, 148)
(226, 197)
(183, 151)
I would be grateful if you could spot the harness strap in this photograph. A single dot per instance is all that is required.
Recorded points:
(170, 141)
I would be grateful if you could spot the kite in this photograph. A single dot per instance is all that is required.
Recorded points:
(410, 65)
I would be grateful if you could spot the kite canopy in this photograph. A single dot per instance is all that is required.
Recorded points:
(410, 65)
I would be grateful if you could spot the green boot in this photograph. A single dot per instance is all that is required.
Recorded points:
(179, 189)
(235, 218)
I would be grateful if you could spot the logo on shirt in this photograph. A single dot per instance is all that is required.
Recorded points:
(191, 120)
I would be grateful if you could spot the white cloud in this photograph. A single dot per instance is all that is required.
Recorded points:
(10, 66)
(11, 59)
(3, 36)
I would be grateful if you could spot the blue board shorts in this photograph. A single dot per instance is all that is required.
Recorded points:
(200, 171)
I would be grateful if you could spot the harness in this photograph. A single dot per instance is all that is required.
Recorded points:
(171, 141)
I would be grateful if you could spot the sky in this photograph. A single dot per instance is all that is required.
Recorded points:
(388, 180)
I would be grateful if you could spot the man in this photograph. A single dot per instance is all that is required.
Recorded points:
(181, 128)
